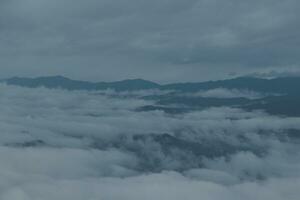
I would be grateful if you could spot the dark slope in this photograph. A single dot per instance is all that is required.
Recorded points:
(287, 105)
(278, 85)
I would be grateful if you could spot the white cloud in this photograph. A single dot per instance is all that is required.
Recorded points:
(57, 144)
(229, 93)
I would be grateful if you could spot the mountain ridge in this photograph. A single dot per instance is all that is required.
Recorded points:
(279, 85)
(281, 95)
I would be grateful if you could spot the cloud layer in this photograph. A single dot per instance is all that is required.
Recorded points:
(57, 144)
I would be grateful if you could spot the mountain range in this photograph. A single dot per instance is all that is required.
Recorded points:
(286, 85)
(281, 96)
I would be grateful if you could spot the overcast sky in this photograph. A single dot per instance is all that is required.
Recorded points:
(159, 40)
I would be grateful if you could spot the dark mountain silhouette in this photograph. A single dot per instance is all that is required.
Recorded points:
(287, 103)
(276, 85)
(286, 85)
(69, 84)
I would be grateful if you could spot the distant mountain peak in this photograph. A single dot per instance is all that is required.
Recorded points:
(55, 77)
(137, 81)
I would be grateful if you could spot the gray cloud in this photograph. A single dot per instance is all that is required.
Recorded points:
(57, 144)
(227, 93)
(158, 40)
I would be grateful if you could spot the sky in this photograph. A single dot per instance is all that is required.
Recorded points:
(158, 40)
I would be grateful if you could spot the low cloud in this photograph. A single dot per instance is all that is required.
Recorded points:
(58, 144)
(229, 93)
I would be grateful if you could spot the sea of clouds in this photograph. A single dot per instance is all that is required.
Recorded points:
(79, 145)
